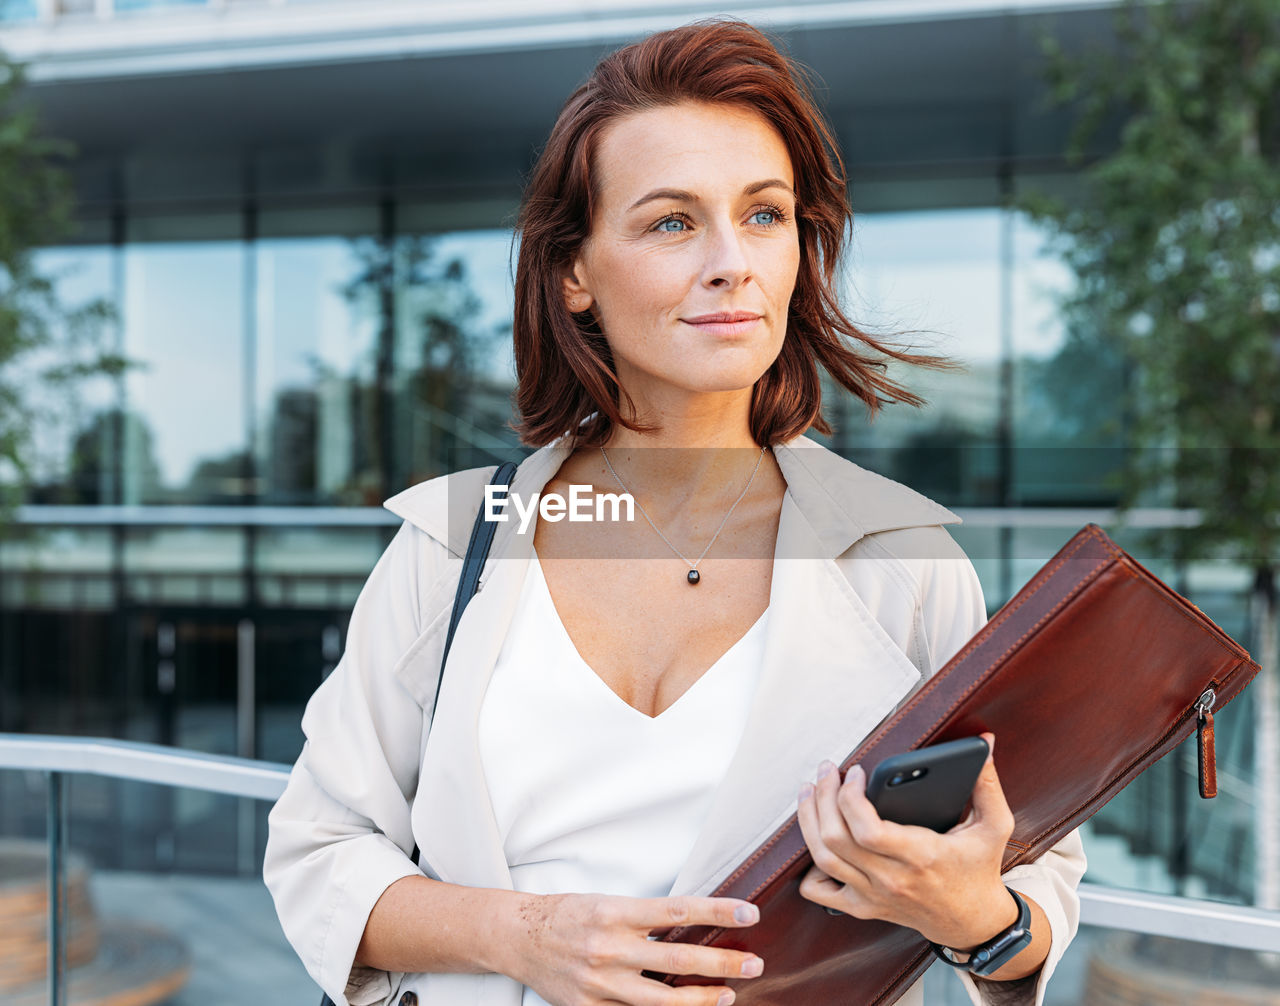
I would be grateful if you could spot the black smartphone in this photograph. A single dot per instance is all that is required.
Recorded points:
(929, 786)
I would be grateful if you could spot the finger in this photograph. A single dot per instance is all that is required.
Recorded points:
(990, 807)
(888, 842)
(707, 962)
(811, 830)
(817, 887)
(635, 990)
(660, 913)
(831, 824)
(848, 899)
(826, 862)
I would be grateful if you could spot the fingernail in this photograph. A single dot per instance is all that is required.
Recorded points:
(825, 769)
(806, 791)
(746, 914)
(752, 967)
(726, 997)
(855, 775)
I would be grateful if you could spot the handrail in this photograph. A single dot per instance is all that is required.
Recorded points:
(182, 515)
(1180, 918)
(1107, 907)
(155, 763)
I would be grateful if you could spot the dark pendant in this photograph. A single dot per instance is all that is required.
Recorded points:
(694, 576)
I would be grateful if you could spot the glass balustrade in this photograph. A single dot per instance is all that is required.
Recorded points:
(1115, 967)
(157, 859)
(160, 892)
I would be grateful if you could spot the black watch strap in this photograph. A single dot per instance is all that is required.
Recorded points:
(991, 956)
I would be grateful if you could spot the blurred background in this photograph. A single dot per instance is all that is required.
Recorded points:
(278, 291)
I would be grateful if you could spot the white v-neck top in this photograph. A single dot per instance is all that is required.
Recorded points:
(591, 795)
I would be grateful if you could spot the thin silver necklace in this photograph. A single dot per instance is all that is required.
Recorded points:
(694, 577)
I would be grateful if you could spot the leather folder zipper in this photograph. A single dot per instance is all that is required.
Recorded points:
(1208, 756)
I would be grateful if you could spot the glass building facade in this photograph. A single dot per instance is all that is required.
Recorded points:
(316, 323)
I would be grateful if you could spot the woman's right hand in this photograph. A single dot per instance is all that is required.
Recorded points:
(590, 949)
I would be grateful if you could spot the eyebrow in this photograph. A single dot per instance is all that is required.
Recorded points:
(680, 195)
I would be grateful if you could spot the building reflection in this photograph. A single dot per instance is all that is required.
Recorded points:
(317, 297)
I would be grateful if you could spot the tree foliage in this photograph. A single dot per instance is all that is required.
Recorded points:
(46, 349)
(1176, 252)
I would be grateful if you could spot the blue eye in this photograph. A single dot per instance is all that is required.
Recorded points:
(770, 217)
(674, 224)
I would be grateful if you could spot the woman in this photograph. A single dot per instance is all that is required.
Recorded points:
(613, 735)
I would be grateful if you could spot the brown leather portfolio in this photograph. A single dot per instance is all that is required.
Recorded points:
(1091, 672)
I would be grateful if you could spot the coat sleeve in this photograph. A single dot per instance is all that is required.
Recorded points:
(952, 611)
(340, 834)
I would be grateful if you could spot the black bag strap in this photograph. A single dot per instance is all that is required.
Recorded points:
(472, 565)
(468, 583)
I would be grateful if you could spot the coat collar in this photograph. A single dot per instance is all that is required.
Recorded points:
(841, 501)
(830, 670)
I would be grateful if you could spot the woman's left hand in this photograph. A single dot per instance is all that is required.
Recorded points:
(945, 886)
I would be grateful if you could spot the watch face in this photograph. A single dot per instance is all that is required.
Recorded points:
(1000, 953)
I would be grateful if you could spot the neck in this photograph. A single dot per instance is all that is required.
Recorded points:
(706, 442)
(704, 419)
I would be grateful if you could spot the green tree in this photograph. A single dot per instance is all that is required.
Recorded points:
(46, 349)
(1176, 250)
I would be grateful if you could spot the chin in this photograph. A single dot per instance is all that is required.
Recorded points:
(743, 379)
(728, 374)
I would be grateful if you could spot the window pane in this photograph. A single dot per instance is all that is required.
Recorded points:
(937, 273)
(73, 451)
(455, 369)
(316, 358)
(184, 322)
(1068, 388)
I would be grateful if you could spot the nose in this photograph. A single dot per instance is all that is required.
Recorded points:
(727, 264)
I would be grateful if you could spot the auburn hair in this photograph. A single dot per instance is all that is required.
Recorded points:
(565, 370)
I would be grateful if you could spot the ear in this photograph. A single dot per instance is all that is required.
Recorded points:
(576, 296)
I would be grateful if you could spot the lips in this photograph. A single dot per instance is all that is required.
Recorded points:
(724, 318)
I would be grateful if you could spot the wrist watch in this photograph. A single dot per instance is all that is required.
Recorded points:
(990, 957)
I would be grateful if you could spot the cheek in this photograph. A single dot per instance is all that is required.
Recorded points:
(779, 283)
(646, 282)
(788, 271)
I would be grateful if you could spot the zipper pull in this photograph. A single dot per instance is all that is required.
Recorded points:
(1208, 756)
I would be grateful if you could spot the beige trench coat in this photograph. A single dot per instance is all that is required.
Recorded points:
(869, 596)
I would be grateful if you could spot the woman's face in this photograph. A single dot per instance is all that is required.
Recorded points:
(693, 253)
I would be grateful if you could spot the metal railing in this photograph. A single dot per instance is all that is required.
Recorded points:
(153, 763)
(1131, 911)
